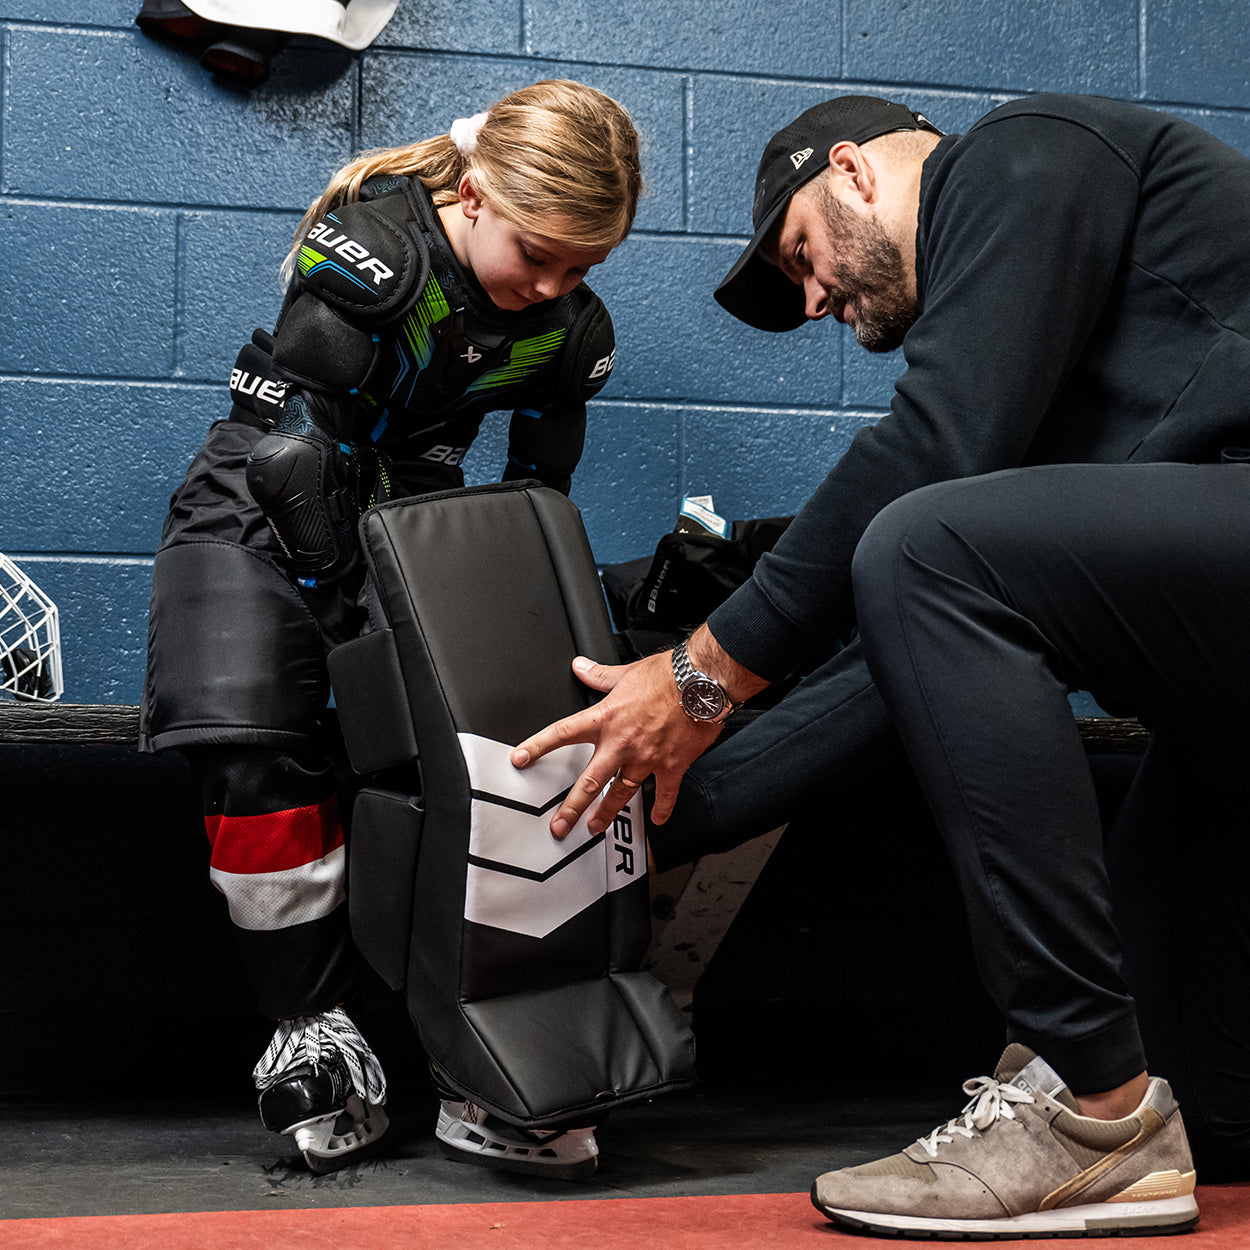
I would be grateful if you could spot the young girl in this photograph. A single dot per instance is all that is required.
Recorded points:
(429, 285)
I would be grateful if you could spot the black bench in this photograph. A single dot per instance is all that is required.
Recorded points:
(85, 723)
(118, 724)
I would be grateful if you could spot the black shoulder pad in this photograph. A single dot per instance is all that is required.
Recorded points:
(364, 260)
(590, 350)
(316, 346)
(383, 184)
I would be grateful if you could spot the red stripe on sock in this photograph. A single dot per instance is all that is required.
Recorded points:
(276, 840)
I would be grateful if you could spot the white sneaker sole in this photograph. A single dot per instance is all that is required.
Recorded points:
(1099, 1219)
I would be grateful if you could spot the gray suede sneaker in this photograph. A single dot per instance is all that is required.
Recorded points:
(1019, 1161)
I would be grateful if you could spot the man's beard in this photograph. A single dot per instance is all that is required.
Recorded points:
(869, 274)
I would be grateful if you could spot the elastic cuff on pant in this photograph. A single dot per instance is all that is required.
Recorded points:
(1095, 1063)
(687, 833)
(302, 970)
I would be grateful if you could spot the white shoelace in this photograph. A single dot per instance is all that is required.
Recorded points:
(306, 1038)
(988, 1101)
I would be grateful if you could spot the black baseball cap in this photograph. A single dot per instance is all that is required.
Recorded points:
(753, 290)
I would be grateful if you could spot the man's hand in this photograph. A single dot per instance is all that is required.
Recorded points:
(638, 729)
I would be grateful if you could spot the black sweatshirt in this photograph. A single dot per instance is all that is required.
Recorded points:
(1083, 272)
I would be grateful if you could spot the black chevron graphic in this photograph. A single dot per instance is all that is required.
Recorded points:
(529, 873)
(516, 805)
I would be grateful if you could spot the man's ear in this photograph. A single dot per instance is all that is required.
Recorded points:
(852, 172)
(470, 200)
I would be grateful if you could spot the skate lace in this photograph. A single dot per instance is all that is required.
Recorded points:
(306, 1039)
(471, 1113)
(989, 1100)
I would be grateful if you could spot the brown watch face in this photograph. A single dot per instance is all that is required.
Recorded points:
(704, 700)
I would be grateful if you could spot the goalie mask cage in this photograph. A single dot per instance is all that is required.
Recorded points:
(30, 638)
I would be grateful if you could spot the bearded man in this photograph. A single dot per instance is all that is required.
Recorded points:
(1058, 499)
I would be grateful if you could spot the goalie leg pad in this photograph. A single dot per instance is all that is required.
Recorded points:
(522, 973)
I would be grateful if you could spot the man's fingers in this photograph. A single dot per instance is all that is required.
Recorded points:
(665, 798)
(580, 727)
(636, 730)
(597, 676)
(612, 796)
(660, 810)
(585, 790)
(619, 792)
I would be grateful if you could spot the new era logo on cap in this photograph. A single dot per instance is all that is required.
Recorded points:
(797, 158)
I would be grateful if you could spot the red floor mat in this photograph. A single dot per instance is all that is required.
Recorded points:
(758, 1222)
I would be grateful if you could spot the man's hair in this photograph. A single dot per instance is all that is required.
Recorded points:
(557, 158)
(904, 144)
(896, 146)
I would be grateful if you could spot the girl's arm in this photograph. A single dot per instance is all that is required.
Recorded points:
(546, 444)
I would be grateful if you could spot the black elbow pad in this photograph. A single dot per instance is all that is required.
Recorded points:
(300, 482)
(546, 445)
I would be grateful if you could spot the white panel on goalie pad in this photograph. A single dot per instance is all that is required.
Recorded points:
(520, 877)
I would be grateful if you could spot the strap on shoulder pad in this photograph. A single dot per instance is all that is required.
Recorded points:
(590, 352)
(364, 259)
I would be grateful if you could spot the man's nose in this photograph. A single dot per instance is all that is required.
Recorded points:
(815, 299)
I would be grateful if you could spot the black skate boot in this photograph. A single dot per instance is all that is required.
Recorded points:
(320, 1083)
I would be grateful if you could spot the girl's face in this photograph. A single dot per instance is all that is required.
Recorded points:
(515, 267)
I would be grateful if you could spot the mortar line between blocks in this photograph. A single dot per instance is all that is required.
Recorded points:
(175, 338)
(687, 148)
(6, 79)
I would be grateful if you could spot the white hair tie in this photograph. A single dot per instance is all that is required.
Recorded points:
(464, 132)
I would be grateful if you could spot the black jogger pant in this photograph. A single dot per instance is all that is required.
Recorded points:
(982, 602)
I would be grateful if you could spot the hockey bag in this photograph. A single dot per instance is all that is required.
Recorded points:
(691, 574)
(518, 954)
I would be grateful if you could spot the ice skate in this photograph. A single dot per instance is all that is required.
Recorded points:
(320, 1083)
(468, 1133)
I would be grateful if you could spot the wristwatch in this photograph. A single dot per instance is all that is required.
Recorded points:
(703, 698)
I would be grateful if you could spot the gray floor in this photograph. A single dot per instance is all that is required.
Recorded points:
(177, 1156)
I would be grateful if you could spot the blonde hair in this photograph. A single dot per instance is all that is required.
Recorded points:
(556, 158)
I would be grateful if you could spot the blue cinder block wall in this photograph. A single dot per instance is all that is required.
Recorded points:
(145, 211)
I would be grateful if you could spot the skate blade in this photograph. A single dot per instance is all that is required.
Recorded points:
(331, 1144)
(577, 1170)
